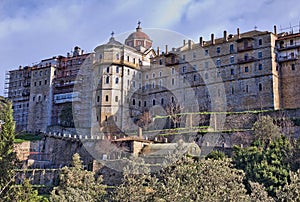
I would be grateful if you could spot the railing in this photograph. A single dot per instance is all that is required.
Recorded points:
(287, 58)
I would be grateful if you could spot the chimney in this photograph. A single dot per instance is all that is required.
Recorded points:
(184, 42)
(201, 41)
(166, 49)
(212, 39)
(275, 30)
(190, 44)
(140, 132)
(238, 33)
(225, 36)
(158, 50)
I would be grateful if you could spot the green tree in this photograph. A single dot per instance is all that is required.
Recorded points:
(23, 193)
(268, 166)
(138, 184)
(258, 193)
(216, 155)
(77, 184)
(205, 180)
(290, 191)
(8, 158)
(265, 131)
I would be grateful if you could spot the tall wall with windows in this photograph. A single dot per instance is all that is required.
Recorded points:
(40, 103)
(114, 87)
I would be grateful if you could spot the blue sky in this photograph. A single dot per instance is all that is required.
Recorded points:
(33, 30)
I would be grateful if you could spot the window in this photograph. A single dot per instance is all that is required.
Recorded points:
(40, 83)
(206, 52)
(231, 48)
(160, 62)
(107, 80)
(259, 66)
(139, 103)
(133, 60)
(206, 64)
(291, 42)
(39, 98)
(34, 83)
(173, 70)
(232, 90)
(147, 76)
(107, 69)
(160, 83)
(128, 71)
(153, 75)
(153, 102)
(162, 101)
(106, 98)
(153, 84)
(183, 69)
(98, 98)
(160, 73)
(260, 55)
(117, 69)
(260, 42)
(33, 98)
(133, 84)
(45, 82)
(140, 75)
(183, 57)
(45, 97)
(218, 63)
(232, 71)
(172, 99)
(173, 81)
(246, 69)
(117, 56)
(218, 50)
(246, 57)
(231, 59)
(206, 75)
(293, 66)
(116, 99)
(127, 58)
(133, 101)
(246, 88)
(260, 87)
(195, 77)
(41, 73)
(117, 80)
(145, 103)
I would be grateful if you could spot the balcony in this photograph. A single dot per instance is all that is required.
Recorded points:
(246, 60)
(283, 47)
(287, 58)
(65, 84)
(245, 48)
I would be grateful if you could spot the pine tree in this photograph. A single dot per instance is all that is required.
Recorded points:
(7, 155)
(77, 184)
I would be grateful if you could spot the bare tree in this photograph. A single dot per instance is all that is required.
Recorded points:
(173, 109)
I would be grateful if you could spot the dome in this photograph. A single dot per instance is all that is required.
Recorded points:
(138, 35)
(138, 39)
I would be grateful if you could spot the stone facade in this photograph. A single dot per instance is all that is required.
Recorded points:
(118, 85)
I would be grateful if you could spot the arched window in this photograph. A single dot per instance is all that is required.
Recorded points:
(107, 80)
(117, 80)
(133, 101)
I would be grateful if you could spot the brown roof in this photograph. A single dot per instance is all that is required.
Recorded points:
(132, 138)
